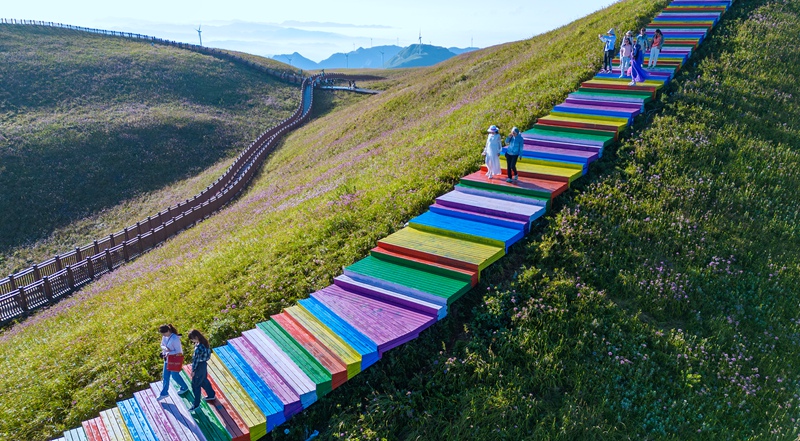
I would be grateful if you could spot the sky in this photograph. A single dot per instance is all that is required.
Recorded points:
(315, 28)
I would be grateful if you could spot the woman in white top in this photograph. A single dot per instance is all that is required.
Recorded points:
(492, 152)
(170, 345)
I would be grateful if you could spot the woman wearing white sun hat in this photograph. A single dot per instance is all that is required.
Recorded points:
(492, 152)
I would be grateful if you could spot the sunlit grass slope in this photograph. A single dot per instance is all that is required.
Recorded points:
(96, 131)
(346, 179)
(661, 302)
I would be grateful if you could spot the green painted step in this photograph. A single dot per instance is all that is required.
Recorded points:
(603, 140)
(575, 130)
(206, 420)
(501, 193)
(546, 169)
(447, 288)
(305, 361)
(646, 96)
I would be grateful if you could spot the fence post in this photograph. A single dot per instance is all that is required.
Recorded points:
(37, 275)
(125, 250)
(48, 289)
(109, 263)
(90, 267)
(138, 228)
(111, 239)
(12, 282)
(59, 267)
(125, 233)
(149, 224)
(70, 278)
(22, 299)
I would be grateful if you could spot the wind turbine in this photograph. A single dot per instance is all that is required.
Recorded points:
(420, 37)
(346, 61)
(288, 58)
(198, 34)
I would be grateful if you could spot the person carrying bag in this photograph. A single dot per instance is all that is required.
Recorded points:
(172, 353)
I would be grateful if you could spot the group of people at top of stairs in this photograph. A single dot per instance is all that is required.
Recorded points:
(172, 353)
(514, 143)
(631, 53)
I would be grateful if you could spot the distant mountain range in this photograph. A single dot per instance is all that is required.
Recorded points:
(416, 55)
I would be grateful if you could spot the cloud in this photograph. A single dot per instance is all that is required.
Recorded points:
(317, 24)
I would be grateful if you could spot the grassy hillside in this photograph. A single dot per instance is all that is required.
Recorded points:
(589, 289)
(93, 128)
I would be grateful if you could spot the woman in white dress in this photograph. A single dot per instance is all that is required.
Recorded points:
(492, 152)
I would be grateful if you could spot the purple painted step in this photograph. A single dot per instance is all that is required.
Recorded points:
(637, 109)
(490, 206)
(558, 144)
(386, 324)
(559, 154)
(392, 297)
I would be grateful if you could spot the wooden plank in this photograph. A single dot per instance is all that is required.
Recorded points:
(386, 324)
(258, 391)
(410, 281)
(115, 426)
(470, 214)
(300, 356)
(290, 401)
(525, 186)
(441, 249)
(467, 230)
(225, 412)
(156, 418)
(326, 337)
(135, 420)
(536, 150)
(594, 140)
(438, 312)
(366, 348)
(563, 131)
(204, 417)
(428, 265)
(541, 171)
(176, 413)
(76, 434)
(291, 373)
(321, 353)
(521, 212)
(503, 195)
(95, 430)
(235, 394)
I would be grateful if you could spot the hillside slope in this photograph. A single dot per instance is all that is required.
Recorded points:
(352, 176)
(90, 123)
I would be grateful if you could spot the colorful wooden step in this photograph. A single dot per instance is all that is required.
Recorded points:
(522, 212)
(256, 389)
(135, 420)
(116, 428)
(526, 186)
(413, 282)
(594, 140)
(290, 372)
(543, 170)
(388, 325)
(155, 415)
(205, 418)
(366, 348)
(488, 219)
(289, 400)
(325, 336)
(471, 276)
(464, 229)
(233, 392)
(333, 364)
(396, 298)
(501, 194)
(224, 411)
(77, 434)
(580, 120)
(177, 413)
(441, 249)
(303, 359)
(95, 430)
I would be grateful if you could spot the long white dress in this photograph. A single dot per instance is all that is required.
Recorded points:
(492, 152)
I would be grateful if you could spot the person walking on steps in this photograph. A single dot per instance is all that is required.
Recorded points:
(202, 353)
(492, 152)
(170, 346)
(642, 39)
(609, 42)
(625, 51)
(638, 74)
(514, 149)
(655, 50)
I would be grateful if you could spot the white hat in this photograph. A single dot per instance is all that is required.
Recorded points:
(515, 130)
(611, 31)
(493, 128)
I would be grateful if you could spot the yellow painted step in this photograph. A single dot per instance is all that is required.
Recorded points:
(115, 425)
(567, 173)
(620, 123)
(350, 357)
(477, 255)
(656, 84)
(238, 398)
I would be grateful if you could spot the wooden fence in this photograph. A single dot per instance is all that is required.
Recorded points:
(51, 280)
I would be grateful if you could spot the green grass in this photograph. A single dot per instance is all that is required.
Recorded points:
(525, 355)
(96, 131)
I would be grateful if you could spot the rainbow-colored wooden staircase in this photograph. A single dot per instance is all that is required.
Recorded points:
(411, 277)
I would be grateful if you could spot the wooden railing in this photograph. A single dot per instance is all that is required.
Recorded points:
(42, 284)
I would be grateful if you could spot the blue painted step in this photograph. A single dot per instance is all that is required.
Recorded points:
(468, 229)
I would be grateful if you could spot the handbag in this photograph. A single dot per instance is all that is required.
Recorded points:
(175, 362)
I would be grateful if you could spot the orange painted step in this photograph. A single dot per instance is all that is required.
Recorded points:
(430, 261)
(324, 356)
(226, 414)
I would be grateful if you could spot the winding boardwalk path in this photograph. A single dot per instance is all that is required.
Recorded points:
(411, 277)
